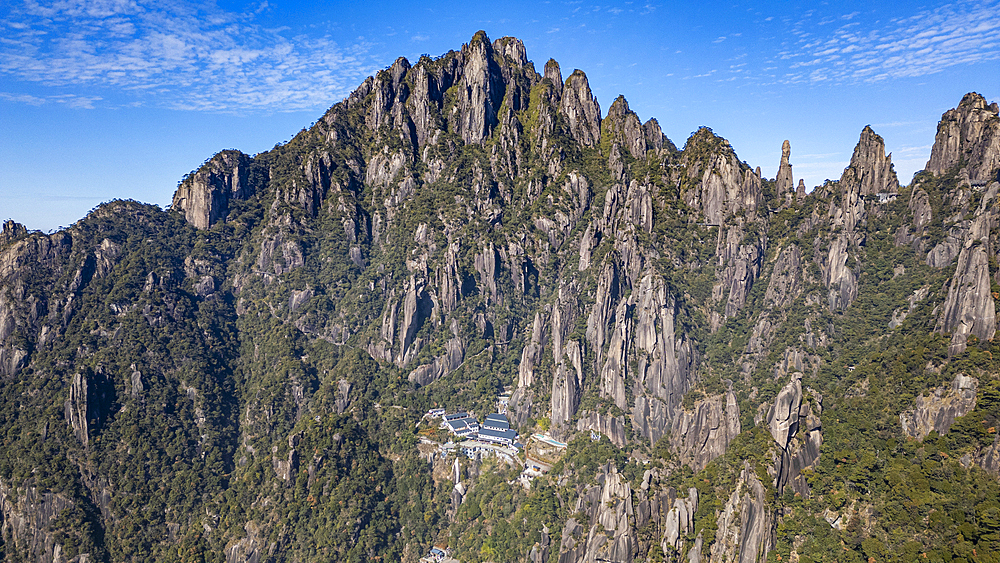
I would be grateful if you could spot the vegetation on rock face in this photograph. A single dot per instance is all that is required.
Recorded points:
(244, 376)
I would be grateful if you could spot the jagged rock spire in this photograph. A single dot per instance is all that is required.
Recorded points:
(622, 126)
(871, 168)
(554, 74)
(784, 181)
(483, 91)
(869, 173)
(581, 109)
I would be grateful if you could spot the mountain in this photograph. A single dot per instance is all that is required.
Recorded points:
(743, 371)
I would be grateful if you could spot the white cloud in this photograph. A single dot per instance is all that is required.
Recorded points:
(965, 32)
(193, 56)
(22, 98)
(71, 100)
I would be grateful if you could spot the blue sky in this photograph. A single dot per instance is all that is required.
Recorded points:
(106, 99)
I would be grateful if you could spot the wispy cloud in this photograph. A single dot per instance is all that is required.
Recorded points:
(71, 100)
(964, 32)
(703, 75)
(183, 56)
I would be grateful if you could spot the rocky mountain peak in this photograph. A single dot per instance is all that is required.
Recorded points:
(969, 135)
(483, 91)
(622, 126)
(581, 109)
(870, 171)
(461, 225)
(398, 70)
(655, 139)
(11, 231)
(479, 40)
(974, 102)
(721, 184)
(512, 49)
(704, 141)
(205, 195)
(554, 75)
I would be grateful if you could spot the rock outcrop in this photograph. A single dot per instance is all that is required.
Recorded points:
(11, 232)
(725, 185)
(970, 308)
(608, 508)
(794, 421)
(532, 352)
(27, 517)
(679, 521)
(665, 359)
(205, 195)
(76, 408)
(870, 172)
(727, 194)
(786, 278)
(481, 91)
(27, 315)
(248, 549)
(841, 280)
(938, 411)
(567, 385)
(442, 365)
(702, 434)
(746, 523)
(622, 126)
(783, 417)
(611, 426)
